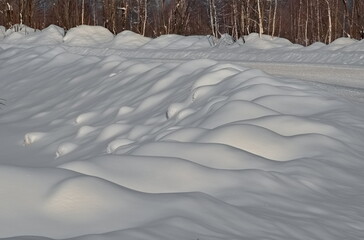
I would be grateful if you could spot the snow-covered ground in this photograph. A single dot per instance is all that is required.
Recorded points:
(126, 137)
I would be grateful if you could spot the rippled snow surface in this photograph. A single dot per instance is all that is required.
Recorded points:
(110, 148)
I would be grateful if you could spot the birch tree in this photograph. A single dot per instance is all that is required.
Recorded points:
(213, 18)
(274, 17)
(260, 17)
(329, 31)
(83, 12)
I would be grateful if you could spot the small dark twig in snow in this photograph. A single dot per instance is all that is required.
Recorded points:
(2, 102)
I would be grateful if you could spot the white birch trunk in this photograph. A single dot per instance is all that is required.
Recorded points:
(83, 13)
(330, 22)
(274, 17)
(145, 16)
(261, 31)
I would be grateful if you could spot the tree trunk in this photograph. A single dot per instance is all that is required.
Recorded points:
(145, 16)
(330, 22)
(318, 20)
(83, 13)
(274, 17)
(235, 33)
(306, 24)
(261, 30)
(212, 7)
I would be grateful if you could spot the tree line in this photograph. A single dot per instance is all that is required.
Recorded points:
(301, 21)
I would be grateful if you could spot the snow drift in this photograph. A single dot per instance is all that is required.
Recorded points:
(107, 147)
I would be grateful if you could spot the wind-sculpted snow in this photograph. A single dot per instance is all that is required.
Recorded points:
(95, 147)
(99, 41)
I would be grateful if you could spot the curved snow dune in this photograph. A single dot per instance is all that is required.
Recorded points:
(68, 204)
(109, 148)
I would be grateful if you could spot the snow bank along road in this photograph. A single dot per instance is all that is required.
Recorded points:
(343, 79)
(335, 74)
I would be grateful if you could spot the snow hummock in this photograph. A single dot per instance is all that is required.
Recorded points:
(85, 35)
(107, 144)
(49, 36)
(21, 29)
(253, 40)
(128, 39)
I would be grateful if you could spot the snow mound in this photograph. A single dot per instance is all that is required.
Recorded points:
(265, 42)
(340, 43)
(20, 28)
(71, 205)
(98, 41)
(14, 37)
(315, 46)
(356, 46)
(129, 39)
(343, 41)
(85, 35)
(51, 35)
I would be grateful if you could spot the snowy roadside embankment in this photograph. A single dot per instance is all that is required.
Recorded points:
(105, 147)
(98, 41)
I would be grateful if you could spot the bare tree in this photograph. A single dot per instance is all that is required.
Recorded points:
(145, 17)
(83, 12)
(213, 18)
(329, 31)
(260, 16)
(274, 17)
(301, 21)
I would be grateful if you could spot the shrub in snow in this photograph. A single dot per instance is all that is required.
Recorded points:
(85, 35)
(225, 40)
(48, 36)
(20, 28)
(17, 33)
(2, 102)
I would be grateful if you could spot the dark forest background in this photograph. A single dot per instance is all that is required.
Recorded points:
(301, 21)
